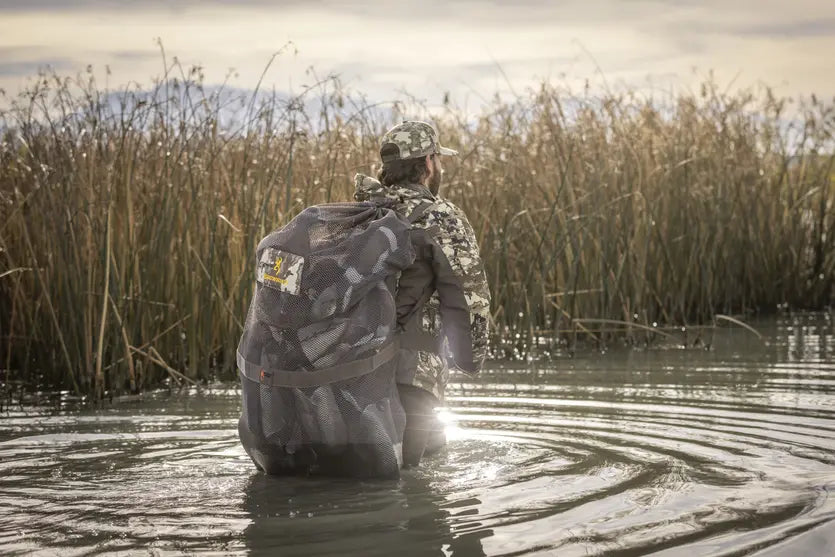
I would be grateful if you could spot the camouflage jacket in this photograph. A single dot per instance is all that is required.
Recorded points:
(443, 301)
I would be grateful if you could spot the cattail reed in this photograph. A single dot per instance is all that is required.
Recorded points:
(129, 218)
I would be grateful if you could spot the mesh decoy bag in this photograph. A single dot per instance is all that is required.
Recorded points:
(318, 348)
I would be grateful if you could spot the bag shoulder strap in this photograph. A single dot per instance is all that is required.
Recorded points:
(419, 211)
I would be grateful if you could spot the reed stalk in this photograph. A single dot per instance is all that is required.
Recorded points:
(129, 218)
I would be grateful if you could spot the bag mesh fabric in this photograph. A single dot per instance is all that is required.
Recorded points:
(324, 299)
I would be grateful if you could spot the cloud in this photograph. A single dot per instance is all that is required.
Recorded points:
(791, 29)
(89, 5)
(463, 46)
(31, 67)
(134, 55)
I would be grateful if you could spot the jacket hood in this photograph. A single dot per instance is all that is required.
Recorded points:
(368, 188)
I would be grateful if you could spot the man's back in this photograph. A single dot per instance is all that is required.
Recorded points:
(443, 299)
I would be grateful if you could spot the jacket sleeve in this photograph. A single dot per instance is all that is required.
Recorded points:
(462, 289)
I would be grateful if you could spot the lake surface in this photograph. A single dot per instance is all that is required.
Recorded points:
(728, 451)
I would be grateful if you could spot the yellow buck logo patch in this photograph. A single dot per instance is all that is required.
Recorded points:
(280, 270)
(276, 272)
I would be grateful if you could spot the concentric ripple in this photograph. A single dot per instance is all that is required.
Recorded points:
(666, 452)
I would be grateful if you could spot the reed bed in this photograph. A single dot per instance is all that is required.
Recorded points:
(129, 218)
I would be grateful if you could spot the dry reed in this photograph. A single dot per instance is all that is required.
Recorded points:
(128, 219)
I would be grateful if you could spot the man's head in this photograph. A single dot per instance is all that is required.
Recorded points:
(411, 152)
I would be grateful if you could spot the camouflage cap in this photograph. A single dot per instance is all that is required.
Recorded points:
(413, 139)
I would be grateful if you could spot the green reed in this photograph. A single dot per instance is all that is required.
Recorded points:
(129, 218)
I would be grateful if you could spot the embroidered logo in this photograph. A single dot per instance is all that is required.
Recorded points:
(280, 270)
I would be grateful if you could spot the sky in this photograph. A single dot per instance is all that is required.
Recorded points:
(470, 49)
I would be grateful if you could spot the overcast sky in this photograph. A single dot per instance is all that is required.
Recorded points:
(470, 48)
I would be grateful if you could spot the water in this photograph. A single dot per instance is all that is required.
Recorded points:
(666, 452)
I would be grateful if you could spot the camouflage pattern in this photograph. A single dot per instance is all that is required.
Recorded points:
(413, 139)
(454, 234)
(280, 270)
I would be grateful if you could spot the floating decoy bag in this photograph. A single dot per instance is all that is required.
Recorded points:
(318, 347)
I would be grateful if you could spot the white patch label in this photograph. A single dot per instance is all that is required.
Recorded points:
(281, 270)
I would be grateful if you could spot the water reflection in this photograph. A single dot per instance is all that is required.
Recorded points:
(808, 339)
(342, 517)
(679, 452)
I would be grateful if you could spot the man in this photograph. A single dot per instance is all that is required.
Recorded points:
(443, 301)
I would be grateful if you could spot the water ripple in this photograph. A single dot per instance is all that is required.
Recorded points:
(724, 452)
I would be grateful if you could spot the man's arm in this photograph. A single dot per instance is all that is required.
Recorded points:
(462, 289)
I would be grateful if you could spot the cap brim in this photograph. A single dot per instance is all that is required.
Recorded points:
(447, 151)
